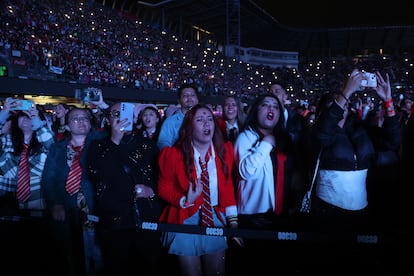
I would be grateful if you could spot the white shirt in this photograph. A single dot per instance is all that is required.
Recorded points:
(255, 192)
(345, 189)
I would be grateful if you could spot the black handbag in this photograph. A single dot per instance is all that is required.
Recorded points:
(149, 208)
(146, 208)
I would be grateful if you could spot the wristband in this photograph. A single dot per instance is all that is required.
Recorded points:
(388, 104)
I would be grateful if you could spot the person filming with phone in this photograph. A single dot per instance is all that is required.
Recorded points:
(23, 153)
(348, 152)
(124, 169)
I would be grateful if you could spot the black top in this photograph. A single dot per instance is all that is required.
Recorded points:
(116, 169)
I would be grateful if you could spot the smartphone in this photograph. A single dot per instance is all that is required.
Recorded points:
(90, 94)
(370, 81)
(23, 105)
(127, 111)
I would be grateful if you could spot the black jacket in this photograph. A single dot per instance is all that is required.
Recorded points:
(351, 147)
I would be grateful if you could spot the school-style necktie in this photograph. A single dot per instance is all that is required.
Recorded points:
(75, 172)
(233, 134)
(206, 209)
(23, 176)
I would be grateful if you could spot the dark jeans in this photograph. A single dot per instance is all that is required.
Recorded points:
(67, 237)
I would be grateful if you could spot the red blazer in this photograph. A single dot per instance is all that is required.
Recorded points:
(173, 185)
(223, 127)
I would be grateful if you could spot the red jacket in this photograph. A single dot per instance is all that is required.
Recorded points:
(173, 185)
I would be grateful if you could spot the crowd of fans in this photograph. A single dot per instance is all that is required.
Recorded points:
(95, 45)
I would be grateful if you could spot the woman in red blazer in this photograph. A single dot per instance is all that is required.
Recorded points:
(180, 185)
(232, 119)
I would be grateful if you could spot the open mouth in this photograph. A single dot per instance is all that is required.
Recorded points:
(270, 115)
(207, 131)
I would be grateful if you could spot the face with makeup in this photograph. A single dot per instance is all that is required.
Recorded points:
(203, 126)
(230, 109)
(268, 114)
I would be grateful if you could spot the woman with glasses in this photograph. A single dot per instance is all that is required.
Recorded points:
(124, 170)
(72, 207)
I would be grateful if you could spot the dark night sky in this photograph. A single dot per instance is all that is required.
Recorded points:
(315, 14)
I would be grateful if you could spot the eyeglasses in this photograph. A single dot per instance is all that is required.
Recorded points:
(79, 120)
(115, 114)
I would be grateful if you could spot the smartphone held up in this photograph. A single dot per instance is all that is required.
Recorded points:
(127, 112)
(370, 80)
(21, 104)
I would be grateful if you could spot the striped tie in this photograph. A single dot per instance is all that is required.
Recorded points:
(23, 178)
(75, 172)
(206, 209)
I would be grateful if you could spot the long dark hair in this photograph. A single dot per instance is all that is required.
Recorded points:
(184, 141)
(17, 136)
(241, 115)
(251, 118)
(157, 126)
(278, 130)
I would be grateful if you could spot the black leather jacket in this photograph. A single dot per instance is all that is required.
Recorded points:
(351, 147)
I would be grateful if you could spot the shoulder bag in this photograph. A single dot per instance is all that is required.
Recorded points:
(306, 200)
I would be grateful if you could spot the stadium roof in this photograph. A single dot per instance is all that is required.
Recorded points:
(311, 28)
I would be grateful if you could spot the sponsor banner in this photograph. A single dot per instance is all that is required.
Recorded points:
(55, 69)
(16, 53)
(17, 61)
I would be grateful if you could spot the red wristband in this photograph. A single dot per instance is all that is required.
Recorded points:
(388, 103)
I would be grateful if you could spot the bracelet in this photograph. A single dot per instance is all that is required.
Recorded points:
(343, 96)
(232, 219)
(186, 204)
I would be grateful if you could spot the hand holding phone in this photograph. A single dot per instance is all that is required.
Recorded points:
(20, 104)
(127, 111)
(370, 80)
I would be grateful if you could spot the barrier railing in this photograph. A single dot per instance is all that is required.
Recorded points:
(359, 237)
